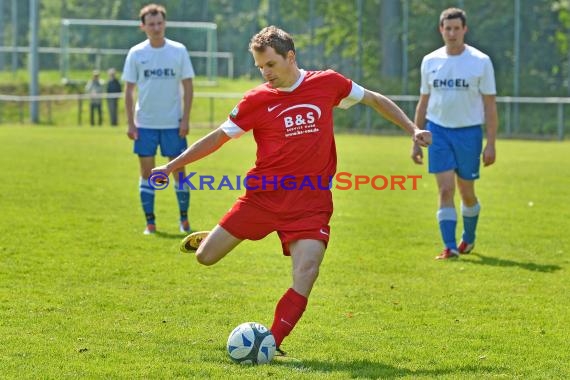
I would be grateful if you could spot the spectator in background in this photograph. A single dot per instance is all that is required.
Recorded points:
(95, 88)
(113, 87)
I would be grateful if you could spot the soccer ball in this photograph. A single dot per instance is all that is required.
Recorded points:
(251, 343)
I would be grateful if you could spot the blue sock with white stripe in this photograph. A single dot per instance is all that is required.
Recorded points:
(447, 218)
(183, 196)
(147, 200)
(470, 218)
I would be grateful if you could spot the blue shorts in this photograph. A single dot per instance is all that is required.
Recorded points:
(171, 144)
(456, 149)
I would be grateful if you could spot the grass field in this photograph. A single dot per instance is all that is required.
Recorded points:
(83, 294)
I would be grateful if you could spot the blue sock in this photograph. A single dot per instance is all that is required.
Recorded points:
(183, 196)
(147, 200)
(447, 218)
(470, 217)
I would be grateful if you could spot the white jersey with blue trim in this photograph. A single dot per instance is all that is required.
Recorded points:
(455, 85)
(158, 73)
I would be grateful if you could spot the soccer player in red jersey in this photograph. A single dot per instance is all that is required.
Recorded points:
(291, 117)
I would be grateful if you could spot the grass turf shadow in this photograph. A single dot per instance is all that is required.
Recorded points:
(499, 262)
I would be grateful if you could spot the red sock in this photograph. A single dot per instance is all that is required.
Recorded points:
(289, 310)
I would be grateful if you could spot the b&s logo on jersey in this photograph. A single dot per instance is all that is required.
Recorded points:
(300, 119)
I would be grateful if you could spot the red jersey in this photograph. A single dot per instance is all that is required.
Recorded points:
(293, 129)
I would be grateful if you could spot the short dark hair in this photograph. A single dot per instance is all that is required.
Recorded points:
(453, 13)
(274, 37)
(152, 9)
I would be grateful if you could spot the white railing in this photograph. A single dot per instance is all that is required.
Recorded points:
(23, 100)
(509, 113)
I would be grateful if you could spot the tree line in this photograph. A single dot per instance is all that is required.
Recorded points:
(378, 42)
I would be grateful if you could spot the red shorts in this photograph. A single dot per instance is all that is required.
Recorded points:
(294, 215)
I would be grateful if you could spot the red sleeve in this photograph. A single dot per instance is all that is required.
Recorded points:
(339, 82)
(244, 113)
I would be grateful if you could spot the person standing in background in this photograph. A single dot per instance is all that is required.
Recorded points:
(95, 88)
(158, 68)
(457, 96)
(113, 87)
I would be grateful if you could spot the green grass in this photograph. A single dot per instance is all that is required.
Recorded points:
(85, 295)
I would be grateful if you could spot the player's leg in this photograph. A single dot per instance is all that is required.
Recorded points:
(470, 209)
(217, 244)
(306, 255)
(446, 214)
(442, 163)
(145, 147)
(171, 145)
(183, 197)
(147, 192)
(243, 221)
(468, 147)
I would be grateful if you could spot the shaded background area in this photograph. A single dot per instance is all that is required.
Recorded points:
(379, 43)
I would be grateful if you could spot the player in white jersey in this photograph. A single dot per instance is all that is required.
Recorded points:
(457, 96)
(162, 71)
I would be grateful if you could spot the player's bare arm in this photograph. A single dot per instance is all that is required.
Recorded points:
(390, 111)
(200, 149)
(420, 120)
(130, 108)
(188, 87)
(491, 124)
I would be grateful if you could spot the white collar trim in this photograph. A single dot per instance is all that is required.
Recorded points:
(296, 84)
